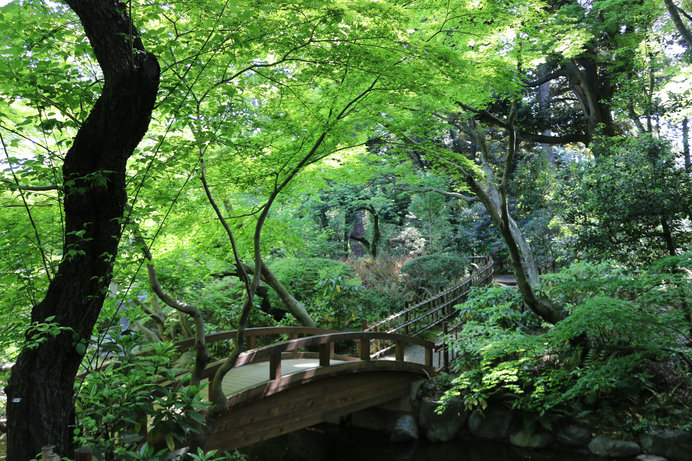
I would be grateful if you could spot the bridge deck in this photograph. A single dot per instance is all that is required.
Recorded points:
(247, 376)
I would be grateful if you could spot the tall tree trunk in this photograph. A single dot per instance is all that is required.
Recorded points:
(593, 92)
(357, 233)
(684, 31)
(521, 257)
(40, 391)
(686, 145)
(543, 105)
(668, 236)
(294, 306)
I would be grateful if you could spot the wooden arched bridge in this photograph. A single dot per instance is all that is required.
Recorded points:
(280, 388)
(317, 375)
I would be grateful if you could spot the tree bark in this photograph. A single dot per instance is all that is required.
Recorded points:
(679, 25)
(40, 407)
(294, 306)
(593, 92)
(495, 200)
(357, 233)
(686, 145)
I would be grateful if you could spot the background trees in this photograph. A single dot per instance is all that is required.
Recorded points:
(372, 132)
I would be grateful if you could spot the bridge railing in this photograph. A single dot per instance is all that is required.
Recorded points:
(252, 334)
(431, 312)
(324, 342)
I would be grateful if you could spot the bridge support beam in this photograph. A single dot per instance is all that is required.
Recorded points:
(261, 418)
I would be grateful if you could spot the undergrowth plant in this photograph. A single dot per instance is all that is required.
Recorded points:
(624, 350)
(129, 406)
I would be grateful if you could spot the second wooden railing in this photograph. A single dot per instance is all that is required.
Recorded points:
(431, 312)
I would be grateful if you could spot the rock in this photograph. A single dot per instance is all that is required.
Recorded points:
(675, 445)
(605, 446)
(525, 439)
(493, 423)
(650, 458)
(405, 430)
(442, 427)
(574, 436)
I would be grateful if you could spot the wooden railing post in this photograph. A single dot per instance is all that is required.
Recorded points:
(275, 366)
(325, 354)
(251, 342)
(364, 349)
(83, 454)
(428, 356)
(399, 351)
(445, 346)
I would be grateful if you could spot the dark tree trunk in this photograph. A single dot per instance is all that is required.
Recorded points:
(357, 233)
(685, 33)
(543, 105)
(40, 406)
(686, 144)
(594, 92)
(371, 245)
(668, 236)
(376, 235)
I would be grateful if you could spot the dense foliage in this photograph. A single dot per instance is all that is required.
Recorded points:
(328, 163)
(622, 355)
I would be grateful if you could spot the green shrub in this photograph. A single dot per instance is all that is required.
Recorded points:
(115, 404)
(621, 351)
(329, 289)
(302, 275)
(429, 274)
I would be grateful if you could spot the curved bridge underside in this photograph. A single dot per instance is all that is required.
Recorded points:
(303, 399)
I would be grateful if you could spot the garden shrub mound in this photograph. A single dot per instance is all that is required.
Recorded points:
(427, 275)
(302, 276)
(330, 290)
(620, 362)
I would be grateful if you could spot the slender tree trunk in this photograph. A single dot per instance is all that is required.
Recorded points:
(294, 306)
(677, 20)
(40, 407)
(357, 233)
(376, 234)
(668, 236)
(543, 104)
(686, 144)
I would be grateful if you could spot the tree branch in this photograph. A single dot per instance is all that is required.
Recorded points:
(202, 356)
(546, 78)
(675, 16)
(31, 188)
(466, 198)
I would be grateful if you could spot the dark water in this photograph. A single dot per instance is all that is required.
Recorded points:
(332, 443)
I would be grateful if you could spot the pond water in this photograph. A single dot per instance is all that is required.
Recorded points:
(334, 443)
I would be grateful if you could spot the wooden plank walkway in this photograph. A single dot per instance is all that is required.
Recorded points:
(247, 376)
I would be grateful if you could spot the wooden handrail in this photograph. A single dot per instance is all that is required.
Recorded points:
(430, 312)
(273, 352)
(466, 282)
(255, 332)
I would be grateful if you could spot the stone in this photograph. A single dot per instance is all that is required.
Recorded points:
(650, 458)
(525, 439)
(405, 429)
(574, 436)
(675, 445)
(442, 427)
(491, 424)
(605, 446)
